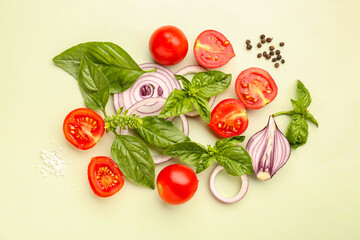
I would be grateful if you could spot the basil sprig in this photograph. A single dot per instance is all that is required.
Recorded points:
(233, 157)
(297, 131)
(204, 85)
(117, 65)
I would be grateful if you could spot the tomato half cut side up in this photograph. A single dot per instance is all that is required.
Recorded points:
(255, 88)
(104, 176)
(83, 128)
(229, 118)
(212, 49)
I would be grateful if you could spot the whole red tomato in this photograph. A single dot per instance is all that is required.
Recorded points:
(168, 45)
(176, 184)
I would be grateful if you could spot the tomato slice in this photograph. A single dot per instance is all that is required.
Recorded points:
(83, 128)
(104, 176)
(255, 88)
(212, 49)
(229, 118)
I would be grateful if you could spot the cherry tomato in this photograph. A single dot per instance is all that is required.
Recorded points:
(168, 45)
(255, 88)
(83, 128)
(176, 184)
(229, 118)
(104, 176)
(212, 49)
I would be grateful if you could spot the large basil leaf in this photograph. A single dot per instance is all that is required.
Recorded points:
(176, 104)
(185, 82)
(134, 160)
(204, 162)
(94, 86)
(297, 131)
(236, 160)
(203, 107)
(160, 132)
(210, 83)
(231, 141)
(117, 65)
(303, 93)
(189, 152)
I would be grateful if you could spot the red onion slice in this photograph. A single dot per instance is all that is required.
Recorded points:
(150, 85)
(269, 150)
(185, 124)
(238, 197)
(193, 69)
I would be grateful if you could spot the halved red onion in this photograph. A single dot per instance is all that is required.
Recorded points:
(237, 197)
(150, 85)
(193, 69)
(269, 150)
(185, 124)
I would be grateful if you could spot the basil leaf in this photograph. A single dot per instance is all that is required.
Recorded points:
(297, 131)
(134, 160)
(185, 82)
(117, 65)
(176, 104)
(236, 160)
(160, 132)
(231, 141)
(203, 107)
(204, 162)
(94, 86)
(296, 105)
(303, 93)
(311, 118)
(188, 152)
(210, 83)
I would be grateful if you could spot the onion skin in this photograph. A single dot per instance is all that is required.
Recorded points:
(269, 150)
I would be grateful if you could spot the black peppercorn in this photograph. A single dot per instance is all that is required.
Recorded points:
(259, 45)
(263, 40)
(281, 44)
(283, 61)
(259, 55)
(262, 36)
(277, 65)
(274, 59)
(247, 42)
(271, 47)
(279, 57)
(248, 47)
(268, 39)
(277, 52)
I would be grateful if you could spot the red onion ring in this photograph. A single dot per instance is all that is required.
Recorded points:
(193, 69)
(185, 124)
(160, 84)
(237, 197)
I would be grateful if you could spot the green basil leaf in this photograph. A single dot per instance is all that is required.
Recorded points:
(160, 132)
(297, 131)
(134, 160)
(311, 118)
(203, 107)
(210, 83)
(188, 152)
(303, 93)
(231, 141)
(204, 162)
(236, 160)
(94, 86)
(185, 82)
(117, 65)
(176, 104)
(297, 106)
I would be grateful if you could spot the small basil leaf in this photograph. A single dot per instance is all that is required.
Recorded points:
(311, 118)
(231, 141)
(303, 93)
(236, 160)
(297, 131)
(117, 65)
(204, 162)
(160, 132)
(94, 86)
(176, 104)
(134, 160)
(210, 83)
(185, 82)
(203, 107)
(188, 152)
(297, 106)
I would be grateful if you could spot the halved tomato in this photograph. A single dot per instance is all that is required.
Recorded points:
(104, 176)
(229, 118)
(83, 128)
(212, 49)
(255, 88)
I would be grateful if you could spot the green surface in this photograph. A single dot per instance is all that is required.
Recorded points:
(314, 196)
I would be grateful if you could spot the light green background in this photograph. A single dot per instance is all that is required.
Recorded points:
(315, 196)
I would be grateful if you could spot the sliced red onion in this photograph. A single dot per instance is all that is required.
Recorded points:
(150, 85)
(238, 197)
(193, 69)
(269, 150)
(185, 124)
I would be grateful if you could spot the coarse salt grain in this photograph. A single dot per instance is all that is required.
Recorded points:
(52, 162)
